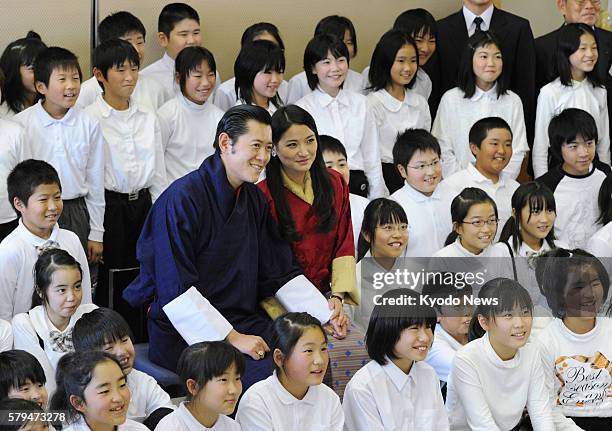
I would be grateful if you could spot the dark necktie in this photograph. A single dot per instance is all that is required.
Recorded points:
(478, 22)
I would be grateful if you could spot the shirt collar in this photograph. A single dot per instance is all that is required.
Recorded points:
(417, 196)
(305, 192)
(47, 120)
(391, 103)
(325, 99)
(167, 61)
(37, 241)
(286, 398)
(494, 357)
(486, 16)
(480, 178)
(214, 176)
(107, 110)
(526, 251)
(188, 419)
(397, 376)
(467, 253)
(490, 95)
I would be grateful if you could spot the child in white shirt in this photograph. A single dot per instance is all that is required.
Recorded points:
(22, 376)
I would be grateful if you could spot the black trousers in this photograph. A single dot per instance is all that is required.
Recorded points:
(6, 228)
(358, 183)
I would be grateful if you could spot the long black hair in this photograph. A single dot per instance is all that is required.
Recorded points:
(324, 202)
(466, 79)
(568, 43)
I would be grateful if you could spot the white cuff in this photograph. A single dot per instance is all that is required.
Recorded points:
(196, 319)
(299, 294)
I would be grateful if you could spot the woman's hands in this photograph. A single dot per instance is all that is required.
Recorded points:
(251, 345)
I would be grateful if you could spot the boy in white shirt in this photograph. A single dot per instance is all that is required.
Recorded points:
(71, 141)
(178, 26)
(35, 192)
(135, 173)
(491, 144)
(123, 25)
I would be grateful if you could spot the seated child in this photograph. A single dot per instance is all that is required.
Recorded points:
(211, 373)
(397, 390)
(21, 376)
(46, 330)
(189, 121)
(92, 390)
(577, 176)
(22, 415)
(36, 194)
(294, 397)
(105, 330)
(148, 92)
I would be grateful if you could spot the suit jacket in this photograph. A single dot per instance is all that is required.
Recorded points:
(518, 50)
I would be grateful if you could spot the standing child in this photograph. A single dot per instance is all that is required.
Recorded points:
(225, 95)
(123, 25)
(482, 91)
(211, 372)
(22, 376)
(189, 121)
(395, 106)
(178, 26)
(345, 115)
(342, 28)
(416, 155)
(46, 330)
(499, 366)
(397, 389)
(35, 192)
(294, 397)
(577, 178)
(93, 392)
(105, 330)
(17, 63)
(72, 142)
(578, 86)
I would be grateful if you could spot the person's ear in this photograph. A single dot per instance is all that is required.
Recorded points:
(97, 73)
(458, 228)
(278, 358)
(192, 387)
(474, 149)
(177, 77)
(40, 87)
(78, 404)
(402, 171)
(163, 39)
(19, 205)
(225, 143)
(484, 322)
(367, 237)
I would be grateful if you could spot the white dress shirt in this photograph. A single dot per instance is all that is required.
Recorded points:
(298, 85)
(348, 118)
(422, 82)
(132, 148)
(383, 397)
(18, 255)
(128, 425)
(271, 106)
(486, 393)
(600, 244)
(182, 420)
(29, 327)
(442, 352)
(268, 406)
(456, 116)
(148, 93)
(225, 95)
(6, 111)
(163, 71)
(188, 133)
(74, 146)
(358, 206)
(13, 149)
(429, 220)
(469, 17)
(146, 396)
(6, 336)
(553, 99)
(393, 117)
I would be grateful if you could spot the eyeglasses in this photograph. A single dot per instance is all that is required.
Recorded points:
(423, 166)
(388, 228)
(593, 2)
(481, 223)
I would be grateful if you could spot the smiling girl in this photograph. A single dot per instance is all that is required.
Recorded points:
(46, 330)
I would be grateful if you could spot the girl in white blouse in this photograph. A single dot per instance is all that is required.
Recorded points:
(578, 86)
(396, 107)
(46, 330)
(259, 70)
(294, 397)
(482, 92)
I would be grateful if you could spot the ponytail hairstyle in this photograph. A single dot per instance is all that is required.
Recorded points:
(49, 261)
(498, 296)
(461, 205)
(379, 212)
(324, 202)
(537, 197)
(604, 201)
(383, 58)
(466, 79)
(261, 28)
(568, 43)
(288, 328)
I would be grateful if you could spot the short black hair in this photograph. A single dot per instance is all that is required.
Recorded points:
(26, 176)
(566, 126)
(99, 327)
(234, 121)
(54, 58)
(568, 42)
(317, 50)
(410, 141)
(481, 128)
(172, 14)
(333, 145)
(188, 60)
(118, 25)
(16, 368)
(16, 422)
(388, 321)
(383, 58)
(337, 25)
(260, 28)
(416, 22)
(114, 53)
(204, 361)
(466, 79)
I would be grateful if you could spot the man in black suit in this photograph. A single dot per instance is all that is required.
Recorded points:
(516, 39)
